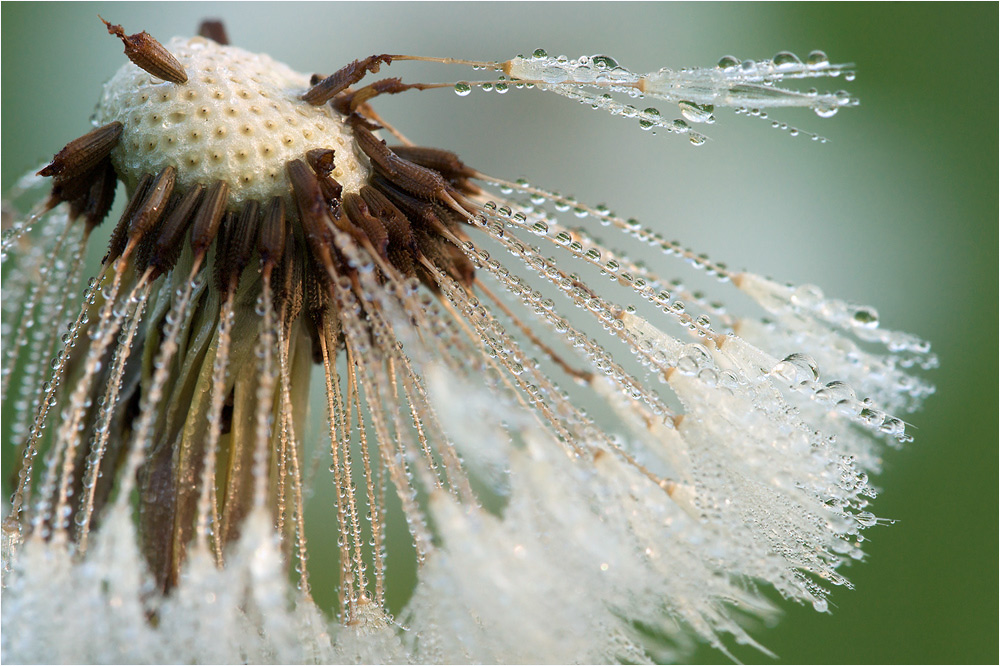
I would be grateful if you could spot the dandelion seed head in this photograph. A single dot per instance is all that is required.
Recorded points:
(166, 469)
(238, 119)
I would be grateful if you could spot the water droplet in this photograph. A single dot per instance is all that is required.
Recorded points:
(785, 60)
(687, 365)
(817, 59)
(866, 518)
(709, 376)
(837, 392)
(796, 368)
(538, 54)
(647, 123)
(892, 426)
(696, 113)
(603, 62)
(462, 89)
(825, 110)
(727, 62)
(865, 317)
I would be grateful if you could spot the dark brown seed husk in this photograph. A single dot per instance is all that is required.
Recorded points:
(119, 237)
(101, 195)
(396, 224)
(314, 213)
(242, 241)
(214, 29)
(344, 77)
(417, 210)
(209, 216)
(168, 244)
(84, 153)
(332, 191)
(444, 162)
(273, 233)
(321, 160)
(226, 228)
(76, 190)
(154, 205)
(143, 254)
(411, 177)
(361, 217)
(149, 55)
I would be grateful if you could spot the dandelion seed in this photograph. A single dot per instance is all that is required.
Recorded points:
(270, 229)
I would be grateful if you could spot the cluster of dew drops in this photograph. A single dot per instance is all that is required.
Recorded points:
(782, 65)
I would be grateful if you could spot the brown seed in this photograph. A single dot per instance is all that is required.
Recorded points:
(444, 162)
(421, 211)
(344, 77)
(101, 195)
(82, 154)
(243, 240)
(214, 29)
(394, 220)
(154, 205)
(226, 227)
(363, 218)
(272, 233)
(143, 254)
(332, 191)
(207, 219)
(149, 55)
(321, 160)
(75, 189)
(119, 237)
(403, 251)
(314, 213)
(415, 179)
(169, 237)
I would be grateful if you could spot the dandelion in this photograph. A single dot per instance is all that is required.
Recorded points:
(159, 507)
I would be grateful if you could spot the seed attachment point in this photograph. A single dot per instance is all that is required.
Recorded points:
(150, 55)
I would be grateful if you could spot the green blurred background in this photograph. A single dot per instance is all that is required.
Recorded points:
(899, 210)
